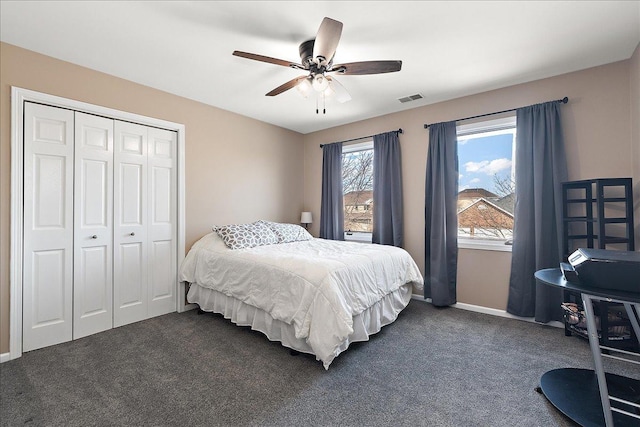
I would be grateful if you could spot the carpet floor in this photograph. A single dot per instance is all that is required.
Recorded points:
(432, 367)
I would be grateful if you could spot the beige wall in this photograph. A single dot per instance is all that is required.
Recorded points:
(634, 77)
(237, 169)
(597, 130)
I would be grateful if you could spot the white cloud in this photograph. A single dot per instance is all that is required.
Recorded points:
(489, 167)
(460, 176)
(474, 180)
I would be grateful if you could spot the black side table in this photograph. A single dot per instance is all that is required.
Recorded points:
(595, 398)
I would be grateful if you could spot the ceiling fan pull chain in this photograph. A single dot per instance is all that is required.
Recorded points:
(317, 105)
(324, 106)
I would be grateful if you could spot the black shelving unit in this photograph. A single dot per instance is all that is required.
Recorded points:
(598, 213)
(592, 209)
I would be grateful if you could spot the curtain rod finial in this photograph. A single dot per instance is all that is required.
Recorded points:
(565, 100)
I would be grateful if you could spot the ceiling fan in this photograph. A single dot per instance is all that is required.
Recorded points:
(316, 57)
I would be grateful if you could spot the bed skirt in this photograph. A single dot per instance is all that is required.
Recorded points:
(365, 324)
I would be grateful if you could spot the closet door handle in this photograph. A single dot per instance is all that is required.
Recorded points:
(94, 236)
(132, 234)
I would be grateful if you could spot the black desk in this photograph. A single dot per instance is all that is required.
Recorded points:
(586, 396)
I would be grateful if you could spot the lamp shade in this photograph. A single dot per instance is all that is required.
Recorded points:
(306, 218)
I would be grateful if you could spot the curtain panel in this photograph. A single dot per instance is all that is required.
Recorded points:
(441, 218)
(331, 208)
(388, 225)
(537, 232)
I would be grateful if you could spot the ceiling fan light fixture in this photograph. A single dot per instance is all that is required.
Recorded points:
(304, 87)
(328, 92)
(320, 83)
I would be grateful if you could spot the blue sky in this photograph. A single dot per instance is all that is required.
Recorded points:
(479, 159)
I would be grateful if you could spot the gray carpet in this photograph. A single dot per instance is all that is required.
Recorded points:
(432, 367)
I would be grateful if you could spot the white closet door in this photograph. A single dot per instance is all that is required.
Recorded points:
(162, 221)
(93, 218)
(130, 224)
(48, 226)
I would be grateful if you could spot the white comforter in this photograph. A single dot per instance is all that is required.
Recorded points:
(317, 285)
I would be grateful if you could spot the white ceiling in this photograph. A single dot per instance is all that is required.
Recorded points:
(449, 49)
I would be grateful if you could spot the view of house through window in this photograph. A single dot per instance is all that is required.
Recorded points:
(357, 187)
(486, 184)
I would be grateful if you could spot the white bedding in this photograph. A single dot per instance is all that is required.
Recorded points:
(316, 286)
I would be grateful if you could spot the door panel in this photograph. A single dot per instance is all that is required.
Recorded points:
(49, 302)
(131, 279)
(131, 179)
(161, 193)
(162, 221)
(47, 317)
(50, 190)
(94, 274)
(93, 239)
(162, 281)
(130, 223)
(95, 198)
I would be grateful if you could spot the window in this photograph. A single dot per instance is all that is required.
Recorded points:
(357, 189)
(486, 184)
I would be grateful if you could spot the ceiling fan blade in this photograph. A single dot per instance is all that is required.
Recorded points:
(268, 59)
(341, 93)
(367, 67)
(327, 39)
(288, 85)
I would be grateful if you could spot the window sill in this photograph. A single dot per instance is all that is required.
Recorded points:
(360, 237)
(484, 244)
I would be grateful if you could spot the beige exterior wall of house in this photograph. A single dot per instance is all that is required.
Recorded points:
(237, 169)
(597, 128)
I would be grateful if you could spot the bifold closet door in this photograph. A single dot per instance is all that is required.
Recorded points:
(47, 312)
(130, 273)
(145, 222)
(162, 221)
(99, 225)
(93, 230)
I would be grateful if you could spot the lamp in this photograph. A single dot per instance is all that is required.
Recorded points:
(306, 219)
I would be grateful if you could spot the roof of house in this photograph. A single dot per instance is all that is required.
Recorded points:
(507, 203)
(476, 193)
(488, 202)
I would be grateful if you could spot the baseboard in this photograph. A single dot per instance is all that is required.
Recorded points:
(188, 307)
(491, 311)
(5, 357)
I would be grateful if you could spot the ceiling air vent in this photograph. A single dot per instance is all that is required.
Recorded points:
(410, 98)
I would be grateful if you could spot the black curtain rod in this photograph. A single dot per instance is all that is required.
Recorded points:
(563, 100)
(362, 137)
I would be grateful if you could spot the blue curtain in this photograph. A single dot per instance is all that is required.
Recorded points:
(541, 168)
(441, 218)
(387, 190)
(331, 208)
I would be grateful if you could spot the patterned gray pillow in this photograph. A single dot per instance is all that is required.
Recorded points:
(241, 236)
(288, 232)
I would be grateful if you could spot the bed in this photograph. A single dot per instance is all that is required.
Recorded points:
(312, 295)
